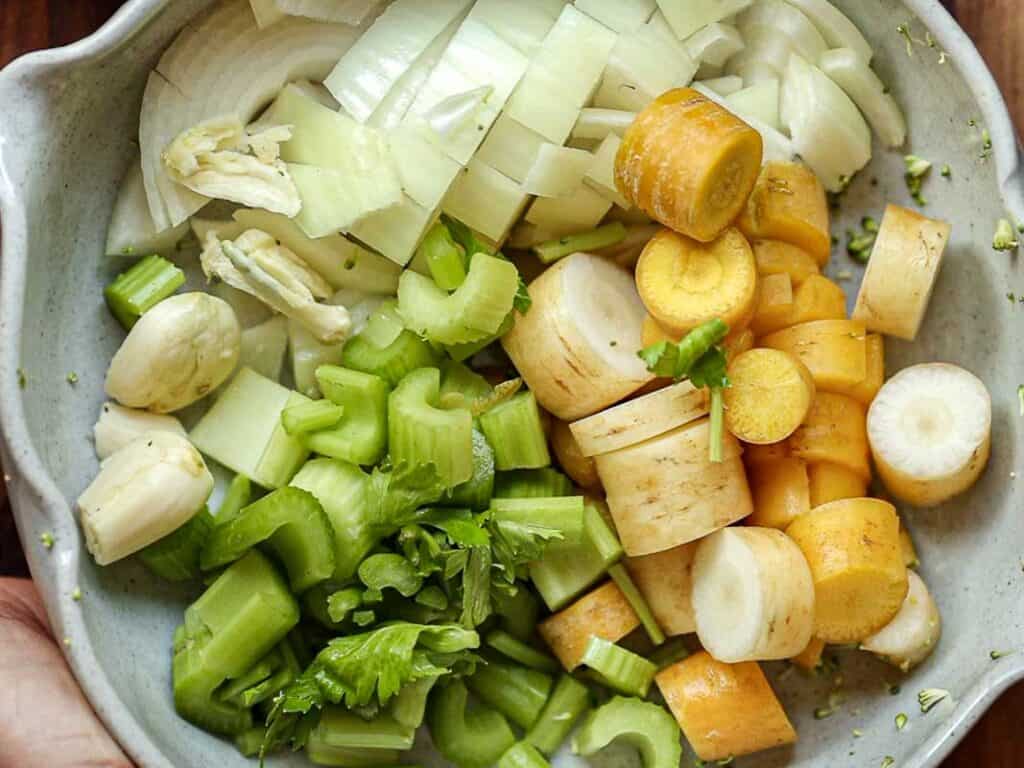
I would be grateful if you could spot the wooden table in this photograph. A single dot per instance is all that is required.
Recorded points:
(996, 25)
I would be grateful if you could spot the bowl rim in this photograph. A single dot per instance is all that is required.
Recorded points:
(39, 505)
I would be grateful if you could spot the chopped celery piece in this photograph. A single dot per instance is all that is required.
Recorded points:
(348, 757)
(563, 513)
(564, 707)
(264, 346)
(361, 436)
(342, 602)
(410, 705)
(236, 498)
(147, 283)
(243, 430)
(673, 651)
(460, 352)
(621, 577)
(643, 725)
(292, 523)
(532, 484)
(470, 739)
(342, 489)
(520, 652)
(476, 492)
(247, 611)
(446, 261)
(420, 433)
(176, 556)
(250, 742)
(388, 571)
(617, 668)
(384, 326)
(338, 727)
(517, 692)
(311, 417)
(308, 354)
(561, 576)
(460, 379)
(523, 755)
(518, 611)
(407, 353)
(602, 237)
(515, 432)
(486, 200)
(475, 310)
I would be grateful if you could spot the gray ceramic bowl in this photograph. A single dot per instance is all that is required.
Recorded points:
(66, 136)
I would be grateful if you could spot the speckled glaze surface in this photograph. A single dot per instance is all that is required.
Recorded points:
(67, 133)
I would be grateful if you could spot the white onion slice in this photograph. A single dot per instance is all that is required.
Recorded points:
(777, 146)
(511, 148)
(397, 231)
(600, 175)
(724, 86)
(452, 114)
(620, 15)
(760, 101)
(352, 12)
(686, 18)
(837, 29)
(765, 57)
(715, 44)
(523, 24)
(828, 130)
(266, 12)
(855, 76)
(643, 65)
(575, 54)
(131, 231)
(485, 200)
(580, 212)
(597, 124)
(775, 17)
(557, 171)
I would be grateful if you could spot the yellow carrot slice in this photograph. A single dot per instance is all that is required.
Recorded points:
(788, 203)
(770, 394)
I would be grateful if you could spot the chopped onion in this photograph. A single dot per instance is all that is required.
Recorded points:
(642, 66)
(317, 92)
(557, 171)
(131, 231)
(835, 27)
(526, 235)
(760, 101)
(452, 114)
(828, 130)
(775, 17)
(353, 12)
(266, 12)
(543, 105)
(601, 175)
(575, 53)
(511, 148)
(372, 66)
(334, 201)
(562, 216)
(777, 146)
(685, 18)
(715, 44)
(597, 124)
(724, 86)
(223, 64)
(486, 200)
(395, 232)
(765, 57)
(620, 15)
(425, 171)
(523, 24)
(854, 75)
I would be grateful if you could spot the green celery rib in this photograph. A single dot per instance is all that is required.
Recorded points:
(460, 352)
(250, 742)
(476, 492)
(532, 484)
(717, 425)
(292, 523)
(444, 257)
(564, 513)
(519, 611)
(246, 612)
(362, 434)
(260, 672)
(338, 727)
(470, 739)
(523, 755)
(520, 652)
(459, 378)
(602, 237)
(617, 668)
(421, 433)
(238, 495)
(176, 556)
(384, 326)
(311, 417)
(389, 571)
(515, 431)
(409, 707)
(347, 757)
(517, 692)
(670, 653)
(407, 353)
(621, 577)
(567, 703)
(641, 724)
(143, 286)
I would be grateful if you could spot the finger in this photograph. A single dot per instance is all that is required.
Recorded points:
(45, 721)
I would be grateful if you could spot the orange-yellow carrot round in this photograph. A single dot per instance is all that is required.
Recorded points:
(689, 164)
(759, 454)
(818, 298)
(580, 468)
(866, 389)
(770, 394)
(831, 482)
(853, 549)
(775, 307)
(725, 710)
(788, 203)
(652, 333)
(810, 657)
(834, 430)
(684, 283)
(663, 578)
(604, 613)
(738, 342)
(781, 492)
(834, 351)
(775, 257)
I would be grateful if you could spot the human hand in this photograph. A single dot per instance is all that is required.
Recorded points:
(45, 721)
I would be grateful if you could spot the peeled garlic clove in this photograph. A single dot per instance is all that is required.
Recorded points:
(178, 352)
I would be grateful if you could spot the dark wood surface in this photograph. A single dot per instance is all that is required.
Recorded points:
(996, 25)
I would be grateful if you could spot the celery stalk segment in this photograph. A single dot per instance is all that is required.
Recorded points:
(621, 577)
(143, 286)
(603, 237)
(360, 435)
(471, 739)
(619, 669)
(518, 651)
(311, 417)
(567, 703)
(517, 692)
(515, 431)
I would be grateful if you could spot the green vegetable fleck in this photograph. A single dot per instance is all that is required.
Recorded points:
(929, 697)
(72, 378)
(917, 171)
(76, 594)
(1005, 238)
(888, 762)
(22, 378)
(47, 539)
(996, 655)
(901, 721)
(947, 172)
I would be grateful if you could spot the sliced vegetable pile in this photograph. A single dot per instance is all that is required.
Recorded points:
(497, 509)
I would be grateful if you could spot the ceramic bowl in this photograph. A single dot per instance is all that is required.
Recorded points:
(68, 132)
